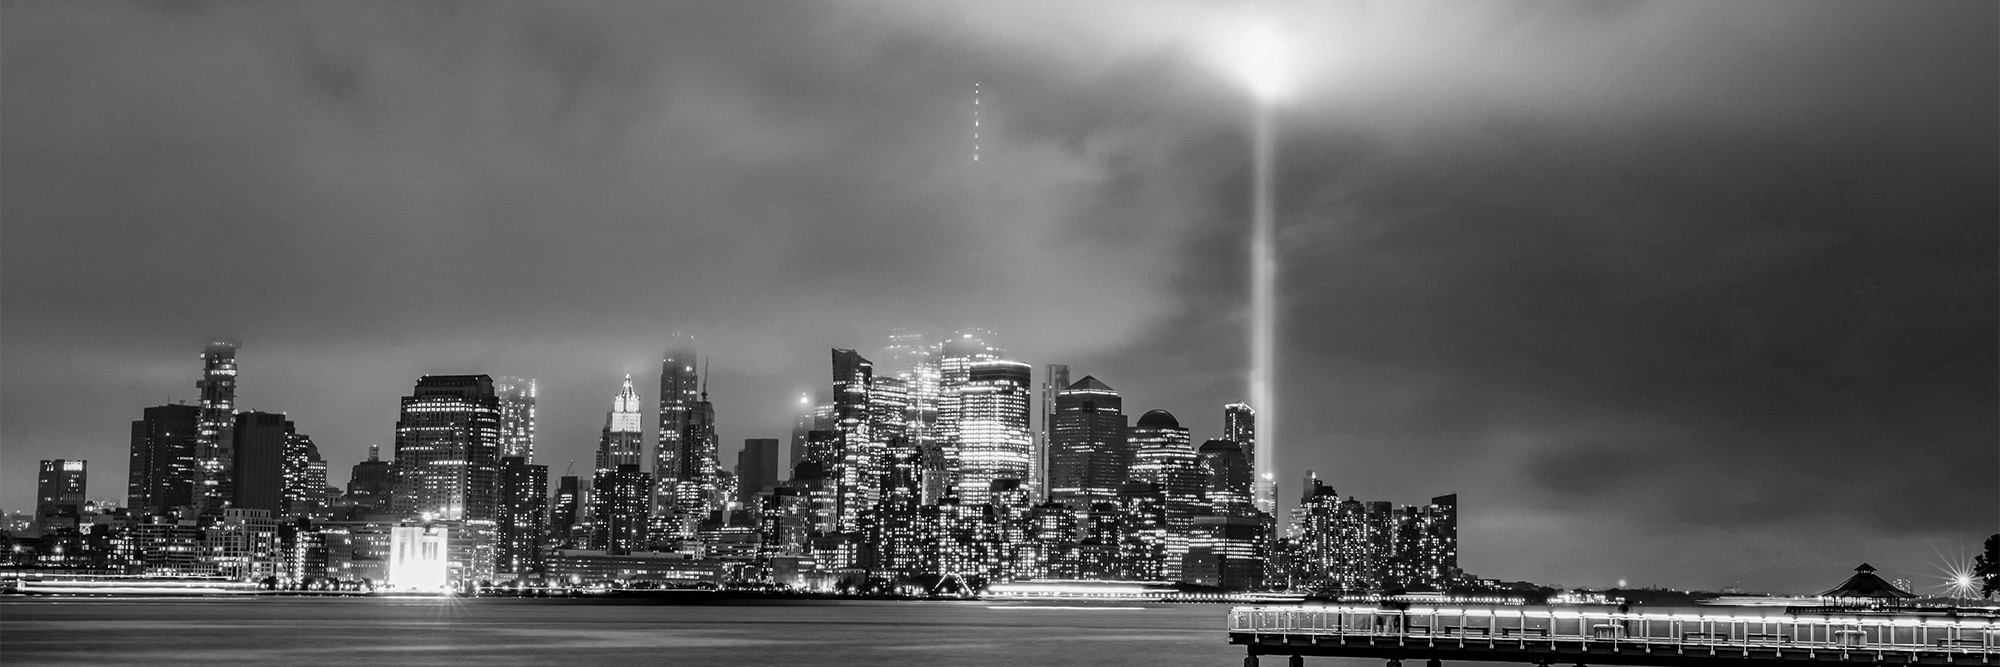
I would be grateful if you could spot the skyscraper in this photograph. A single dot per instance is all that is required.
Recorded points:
(1239, 425)
(567, 515)
(995, 442)
(372, 483)
(1054, 380)
(304, 493)
(620, 498)
(623, 440)
(756, 469)
(59, 493)
(700, 491)
(1226, 478)
(259, 463)
(517, 416)
(858, 456)
(955, 359)
(679, 391)
(162, 472)
(447, 464)
(1163, 457)
(218, 409)
(1088, 456)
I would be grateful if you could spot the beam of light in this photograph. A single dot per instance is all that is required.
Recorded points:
(1263, 290)
(1262, 60)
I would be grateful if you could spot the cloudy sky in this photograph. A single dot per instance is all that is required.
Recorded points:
(1688, 294)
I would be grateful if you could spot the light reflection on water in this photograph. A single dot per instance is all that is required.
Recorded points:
(291, 631)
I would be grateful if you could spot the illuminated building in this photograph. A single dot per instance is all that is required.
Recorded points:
(955, 360)
(59, 494)
(567, 518)
(1350, 545)
(1226, 478)
(900, 533)
(623, 440)
(1227, 552)
(244, 544)
(701, 490)
(419, 557)
(804, 422)
(519, 528)
(670, 569)
(784, 523)
(857, 455)
(1162, 455)
(517, 416)
(1012, 504)
(1088, 453)
(162, 468)
(680, 390)
(168, 547)
(448, 464)
(994, 441)
(218, 408)
(372, 483)
(913, 360)
(305, 489)
(1239, 425)
(1146, 545)
(620, 498)
(1054, 380)
(821, 495)
(756, 469)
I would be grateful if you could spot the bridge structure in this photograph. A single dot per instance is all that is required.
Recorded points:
(1604, 635)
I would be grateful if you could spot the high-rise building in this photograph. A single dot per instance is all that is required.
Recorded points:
(858, 456)
(955, 359)
(1163, 457)
(620, 497)
(623, 440)
(1225, 478)
(702, 489)
(304, 494)
(680, 389)
(218, 409)
(261, 439)
(59, 493)
(371, 484)
(517, 416)
(162, 473)
(912, 358)
(993, 431)
(1239, 425)
(1088, 455)
(567, 518)
(802, 423)
(756, 469)
(1054, 380)
(520, 528)
(448, 464)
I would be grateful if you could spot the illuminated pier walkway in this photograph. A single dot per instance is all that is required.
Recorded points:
(1705, 637)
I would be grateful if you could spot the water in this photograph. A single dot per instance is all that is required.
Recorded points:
(492, 632)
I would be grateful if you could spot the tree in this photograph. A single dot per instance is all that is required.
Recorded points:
(1986, 567)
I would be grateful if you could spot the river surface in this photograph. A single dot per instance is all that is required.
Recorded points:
(488, 632)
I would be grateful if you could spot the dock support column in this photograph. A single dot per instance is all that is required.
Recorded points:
(1297, 661)
(1433, 662)
(1250, 660)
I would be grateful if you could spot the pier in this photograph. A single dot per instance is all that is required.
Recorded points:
(1691, 637)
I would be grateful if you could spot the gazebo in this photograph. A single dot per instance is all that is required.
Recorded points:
(1864, 584)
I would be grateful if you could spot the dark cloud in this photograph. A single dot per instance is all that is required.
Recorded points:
(1693, 293)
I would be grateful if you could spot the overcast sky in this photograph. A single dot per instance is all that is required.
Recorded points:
(1690, 294)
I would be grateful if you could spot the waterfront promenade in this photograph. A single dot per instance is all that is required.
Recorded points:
(1698, 636)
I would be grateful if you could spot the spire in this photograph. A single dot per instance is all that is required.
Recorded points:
(704, 380)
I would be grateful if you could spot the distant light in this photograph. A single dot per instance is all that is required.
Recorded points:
(1262, 59)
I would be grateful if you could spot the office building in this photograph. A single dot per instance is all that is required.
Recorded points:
(59, 494)
(756, 470)
(261, 439)
(521, 527)
(1239, 425)
(371, 484)
(448, 464)
(218, 409)
(680, 390)
(857, 456)
(517, 416)
(993, 428)
(1055, 378)
(163, 465)
(1088, 454)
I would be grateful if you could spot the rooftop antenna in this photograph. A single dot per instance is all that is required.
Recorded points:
(704, 380)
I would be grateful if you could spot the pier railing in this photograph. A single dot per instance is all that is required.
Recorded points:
(1504, 627)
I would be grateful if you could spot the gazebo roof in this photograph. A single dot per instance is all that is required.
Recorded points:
(1864, 584)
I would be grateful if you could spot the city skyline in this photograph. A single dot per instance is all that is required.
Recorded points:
(1632, 280)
